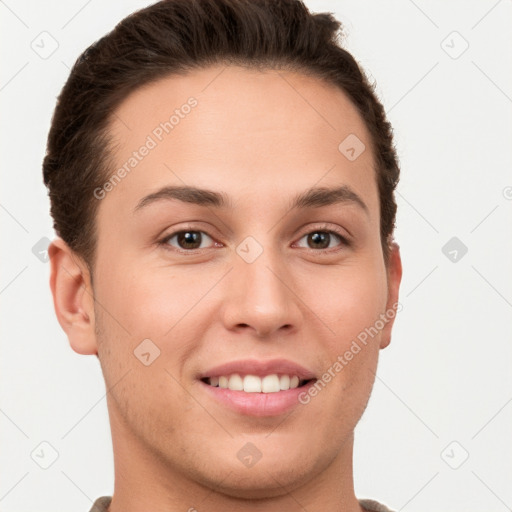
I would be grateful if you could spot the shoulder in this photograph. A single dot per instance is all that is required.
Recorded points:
(101, 504)
(374, 506)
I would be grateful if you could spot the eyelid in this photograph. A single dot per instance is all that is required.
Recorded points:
(328, 228)
(345, 241)
(165, 239)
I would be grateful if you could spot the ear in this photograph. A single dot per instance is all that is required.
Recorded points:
(73, 298)
(394, 274)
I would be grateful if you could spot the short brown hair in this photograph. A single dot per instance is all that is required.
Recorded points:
(174, 37)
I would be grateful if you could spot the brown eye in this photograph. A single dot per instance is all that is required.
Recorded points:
(323, 239)
(186, 239)
(319, 239)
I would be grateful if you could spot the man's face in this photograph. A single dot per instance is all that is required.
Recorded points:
(252, 280)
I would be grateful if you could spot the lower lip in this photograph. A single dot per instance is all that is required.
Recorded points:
(258, 404)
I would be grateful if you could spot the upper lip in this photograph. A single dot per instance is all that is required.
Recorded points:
(259, 368)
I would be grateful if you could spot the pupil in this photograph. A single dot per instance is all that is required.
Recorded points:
(189, 237)
(318, 237)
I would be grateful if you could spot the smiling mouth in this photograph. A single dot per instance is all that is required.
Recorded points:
(272, 383)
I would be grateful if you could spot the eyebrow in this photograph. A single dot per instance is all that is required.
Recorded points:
(311, 198)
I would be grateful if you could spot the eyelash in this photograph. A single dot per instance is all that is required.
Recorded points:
(322, 229)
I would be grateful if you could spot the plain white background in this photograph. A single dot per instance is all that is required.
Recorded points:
(436, 434)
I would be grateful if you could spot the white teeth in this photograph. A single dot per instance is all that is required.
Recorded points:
(254, 384)
(294, 382)
(236, 383)
(284, 382)
(270, 384)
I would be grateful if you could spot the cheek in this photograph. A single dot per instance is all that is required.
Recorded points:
(149, 301)
(355, 347)
(351, 307)
(348, 301)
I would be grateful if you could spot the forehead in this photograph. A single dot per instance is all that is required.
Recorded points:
(241, 131)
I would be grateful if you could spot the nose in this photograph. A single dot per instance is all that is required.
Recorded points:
(259, 296)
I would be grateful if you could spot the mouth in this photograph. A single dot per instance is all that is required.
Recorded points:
(272, 383)
(252, 387)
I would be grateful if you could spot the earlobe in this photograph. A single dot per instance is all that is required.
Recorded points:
(394, 274)
(72, 297)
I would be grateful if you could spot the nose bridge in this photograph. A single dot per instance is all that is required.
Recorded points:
(260, 293)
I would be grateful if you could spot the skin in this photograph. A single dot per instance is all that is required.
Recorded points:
(261, 138)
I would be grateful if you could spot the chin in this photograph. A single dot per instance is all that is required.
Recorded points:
(271, 476)
(267, 481)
